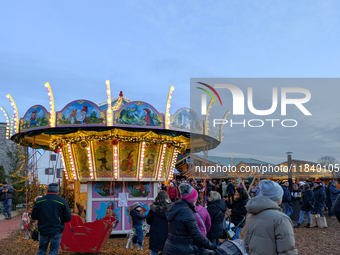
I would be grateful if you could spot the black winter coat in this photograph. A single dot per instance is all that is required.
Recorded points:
(183, 230)
(52, 212)
(137, 217)
(337, 208)
(307, 201)
(6, 195)
(210, 187)
(238, 211)
(230, 189)
(319, 195)
(216, 211)
(158, 226)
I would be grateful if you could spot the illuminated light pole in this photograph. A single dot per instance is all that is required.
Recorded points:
(109, 108)
(73, 167)
(221, 126)
(168, 105)
(162, 162)
(207, 117)
(16, 113)
(62, 160)
(173, 163)
(8, 132)
(141, 165)
(115, 150)
(52, 112)
(89, 156)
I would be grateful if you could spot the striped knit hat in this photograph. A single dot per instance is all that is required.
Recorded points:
(188, 193)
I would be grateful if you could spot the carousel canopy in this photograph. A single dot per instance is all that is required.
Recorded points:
(118, 138)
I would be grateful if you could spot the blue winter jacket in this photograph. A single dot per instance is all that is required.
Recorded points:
(286, 198)
(333, 192)
(137, 217)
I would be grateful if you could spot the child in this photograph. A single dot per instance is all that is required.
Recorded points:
(137, 223)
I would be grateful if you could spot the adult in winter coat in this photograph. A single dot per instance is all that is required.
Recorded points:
(337, 208)
(6, 192)
(231, 192)
(328, 199)
(158, 223)
(286, 198)
(203, 218)
(216, 208)
(238, 210)
(296, 202)
(183, 230)
(306, 206)
(268, 231)
(172, 192)
(333, 195)
(319, 196)
(52, 212)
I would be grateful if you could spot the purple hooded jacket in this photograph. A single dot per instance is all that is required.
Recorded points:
(202, 211)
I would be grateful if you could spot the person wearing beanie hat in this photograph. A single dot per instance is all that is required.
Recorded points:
(6, 194)
(137, 222)
(183, 230)
(268, 229)
(286, 198)
(51, 212)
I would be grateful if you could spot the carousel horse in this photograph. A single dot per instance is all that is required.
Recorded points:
(132, 233)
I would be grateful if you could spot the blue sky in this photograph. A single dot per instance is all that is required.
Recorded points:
(144, 47)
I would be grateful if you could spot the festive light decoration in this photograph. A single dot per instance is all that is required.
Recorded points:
(73, 167)
(173, 162)
(162, 162)
(115, 167)
(52, 112)
(141, 164)
(168, 105)
(89, 156)
(16, 114)
(11, 131)
(207, 117)
(129, 139)
(109, 108)
(221, 126)
(63, 161)
(8, 131)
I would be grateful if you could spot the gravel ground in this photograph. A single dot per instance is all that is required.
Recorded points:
(308, 241)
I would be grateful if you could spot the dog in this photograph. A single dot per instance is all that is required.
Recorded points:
(132, 234)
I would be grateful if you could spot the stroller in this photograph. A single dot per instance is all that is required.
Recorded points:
(229, 247)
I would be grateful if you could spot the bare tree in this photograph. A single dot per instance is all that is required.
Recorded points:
(329, 162)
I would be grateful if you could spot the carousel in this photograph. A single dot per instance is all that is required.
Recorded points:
(115, 152)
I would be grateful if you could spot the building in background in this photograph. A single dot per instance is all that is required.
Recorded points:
(49, 167)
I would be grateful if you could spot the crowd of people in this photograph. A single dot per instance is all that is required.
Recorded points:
(182, 223)
(267, 210)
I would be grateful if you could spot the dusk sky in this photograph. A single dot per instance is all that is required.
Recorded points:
(144, 47)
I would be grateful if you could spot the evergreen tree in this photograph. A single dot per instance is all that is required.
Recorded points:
(17, 175)
(2, 174)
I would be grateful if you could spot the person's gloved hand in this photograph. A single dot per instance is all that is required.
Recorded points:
(213, 247)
